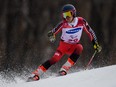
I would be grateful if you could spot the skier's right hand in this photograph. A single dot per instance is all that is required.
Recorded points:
(51, 36)
(97, 47)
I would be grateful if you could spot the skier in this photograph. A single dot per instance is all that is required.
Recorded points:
(72, 28)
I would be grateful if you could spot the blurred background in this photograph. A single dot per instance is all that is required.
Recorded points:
(24, 25)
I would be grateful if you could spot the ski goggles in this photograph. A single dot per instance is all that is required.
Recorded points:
(67, 14)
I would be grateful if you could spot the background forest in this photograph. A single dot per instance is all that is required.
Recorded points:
(24, 25)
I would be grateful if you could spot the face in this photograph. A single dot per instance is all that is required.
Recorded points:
(69, 19)
(68, 16)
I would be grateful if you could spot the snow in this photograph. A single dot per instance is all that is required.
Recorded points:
(99, 77)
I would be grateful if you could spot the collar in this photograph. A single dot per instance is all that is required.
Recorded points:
(74, 22)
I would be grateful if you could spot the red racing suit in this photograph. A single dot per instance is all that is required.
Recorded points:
(71, 35)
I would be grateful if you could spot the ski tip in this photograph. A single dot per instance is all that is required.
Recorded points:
(30, 79)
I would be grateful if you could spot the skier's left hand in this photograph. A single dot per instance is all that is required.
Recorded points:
(51, 36)
(97, 47)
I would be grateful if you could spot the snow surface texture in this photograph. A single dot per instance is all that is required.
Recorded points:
(100, 77)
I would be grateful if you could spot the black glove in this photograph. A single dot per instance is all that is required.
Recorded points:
(51, 36)
(96, 46)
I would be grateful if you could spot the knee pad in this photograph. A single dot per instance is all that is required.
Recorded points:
(57, 56)
(79, 49)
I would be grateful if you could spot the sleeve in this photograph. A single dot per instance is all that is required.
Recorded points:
(89, 31)
(58, 28)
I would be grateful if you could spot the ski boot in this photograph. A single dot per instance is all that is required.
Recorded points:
(33, 78)
(62, 73)
(37, 73)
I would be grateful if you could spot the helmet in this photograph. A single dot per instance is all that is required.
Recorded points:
(69, 7)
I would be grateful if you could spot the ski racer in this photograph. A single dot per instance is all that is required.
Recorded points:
(72, 28)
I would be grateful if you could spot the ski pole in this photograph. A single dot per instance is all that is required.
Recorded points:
(91, 59)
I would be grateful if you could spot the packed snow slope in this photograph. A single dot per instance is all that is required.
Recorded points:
(99, 77)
